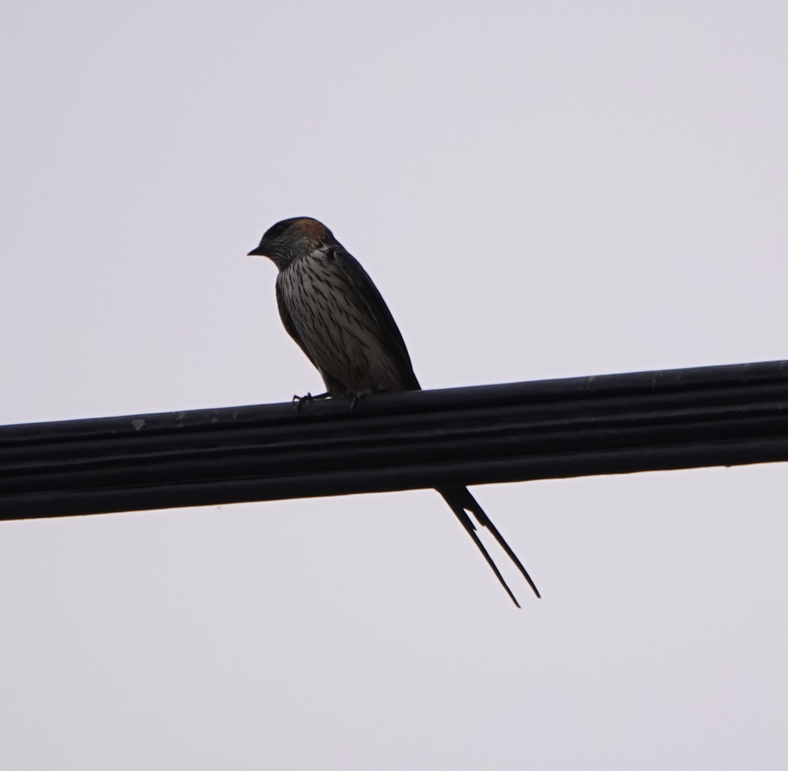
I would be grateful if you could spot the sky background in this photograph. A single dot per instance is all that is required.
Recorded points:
(539, 190)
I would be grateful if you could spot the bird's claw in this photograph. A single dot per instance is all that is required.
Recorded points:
(357, 396)
(298, 401)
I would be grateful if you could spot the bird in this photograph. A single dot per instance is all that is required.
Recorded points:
(331, 308)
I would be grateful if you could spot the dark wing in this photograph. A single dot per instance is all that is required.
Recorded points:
(376, 305)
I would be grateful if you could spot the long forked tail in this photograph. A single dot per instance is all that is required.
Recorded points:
(461, 502)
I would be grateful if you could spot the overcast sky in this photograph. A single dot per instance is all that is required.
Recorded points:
(539, 190)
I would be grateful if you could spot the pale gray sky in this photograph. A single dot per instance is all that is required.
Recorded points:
(539, 190)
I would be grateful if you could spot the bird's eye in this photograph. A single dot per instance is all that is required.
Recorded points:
(277, 230)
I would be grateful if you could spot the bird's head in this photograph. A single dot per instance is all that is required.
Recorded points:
(290, 239)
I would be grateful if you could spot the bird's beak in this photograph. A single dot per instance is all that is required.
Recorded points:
(257, 252)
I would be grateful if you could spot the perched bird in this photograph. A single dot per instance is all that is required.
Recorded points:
(331, 308)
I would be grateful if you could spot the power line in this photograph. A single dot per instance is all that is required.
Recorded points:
(609, 424)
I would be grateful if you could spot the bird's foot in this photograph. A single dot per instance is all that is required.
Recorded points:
(298, 401)
(357, 396)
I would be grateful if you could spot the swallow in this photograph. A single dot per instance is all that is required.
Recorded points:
(331, 308)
